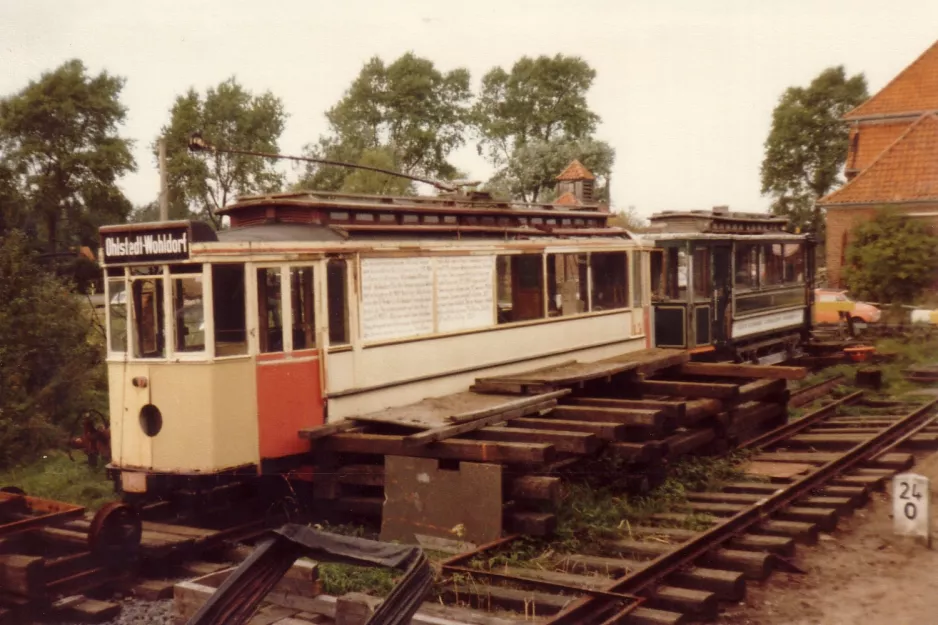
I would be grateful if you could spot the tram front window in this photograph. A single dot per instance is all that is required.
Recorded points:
(189, 310)
(117, 293)
(148, 337)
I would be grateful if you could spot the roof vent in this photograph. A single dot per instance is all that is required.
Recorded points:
(721, 210)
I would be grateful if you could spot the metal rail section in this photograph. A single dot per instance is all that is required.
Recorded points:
(810, 393)
(33, 512)
(794, 427)
(593, 610)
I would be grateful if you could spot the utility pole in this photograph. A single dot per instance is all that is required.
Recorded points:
(164, 186)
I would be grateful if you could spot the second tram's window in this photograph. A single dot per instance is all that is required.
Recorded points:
(674, 274)
(190, 313)
(794, 262)
(610, 280)
(566, 284)
(702, 273)
(148, 318)
(304, 326)
(658, 279)
(520, 287)
(117, 302)
(336, 272)
(229, 314)
(773, 270)
(747, 266)
(269, 310)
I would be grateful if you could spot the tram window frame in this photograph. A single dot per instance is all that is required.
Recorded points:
(637, 281)
(794, 269)
(702, 281)
(771, 265)
(337, 302)
(229, 309)
(264, 330)
(559, 304)
(120, 347)
(517, 281)
(158, 303)
(303, 307)
(179, 275)
(612, 279)
(751, 272)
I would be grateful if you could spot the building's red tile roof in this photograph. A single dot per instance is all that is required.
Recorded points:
(575, 171)
(913, 90)
(906, 171)
(567, 199)
(874, 138)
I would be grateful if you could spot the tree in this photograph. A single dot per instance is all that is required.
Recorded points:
(50, 369)
(628, 219)
(61, 153)
(408, 110)
(542, 99)
(807, 145)
(530, 173)
(228, 116)
(891, 258)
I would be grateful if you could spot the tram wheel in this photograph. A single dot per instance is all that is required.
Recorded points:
(115, 532)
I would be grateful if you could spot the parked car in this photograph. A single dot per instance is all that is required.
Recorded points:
(828, 303)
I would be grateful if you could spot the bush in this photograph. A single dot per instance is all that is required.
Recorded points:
(51, 361)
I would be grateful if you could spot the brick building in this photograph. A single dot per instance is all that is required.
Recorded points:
(892, 158)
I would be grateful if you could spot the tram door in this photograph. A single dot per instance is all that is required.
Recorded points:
(289, 381)
(722, 292)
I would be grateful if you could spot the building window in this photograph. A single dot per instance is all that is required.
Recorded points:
(269, 310)
(747, 266)
(117, 304)
(336, 278)
(189, 313)
(520, 287)
(229, 302)
(610, 281)
(566, 284)
(148, 339)
(304, 319)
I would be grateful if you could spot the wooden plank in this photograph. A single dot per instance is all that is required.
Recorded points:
(442, 433)
(563, 442)
(893, 461)
(535, 487)
(328, 429)
(652, 360)
(532, 523)
(688, 389)
(729, 370)
(178, 530)
(361, 474)
(92, 610)
(674, 409)
(654, 419)
(23, 575)
(604, 431)
(454, 449)
(762, 389)
(648, 452)
(485, 597)
(689, 442)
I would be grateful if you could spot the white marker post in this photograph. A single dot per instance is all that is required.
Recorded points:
(911, 506)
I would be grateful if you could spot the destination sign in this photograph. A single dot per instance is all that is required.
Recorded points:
(147, 246)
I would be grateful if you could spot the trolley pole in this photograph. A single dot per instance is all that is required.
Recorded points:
(164, 186)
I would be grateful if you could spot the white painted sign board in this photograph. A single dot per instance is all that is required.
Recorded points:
(465, 292)
(911, 509)
(397, 298)
(764, 323)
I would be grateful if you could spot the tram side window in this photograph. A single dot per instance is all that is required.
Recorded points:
(336, 276)
(657, 275)
(773, 270)
(190, 313)
(566, 284)
(520, 287)
(304, 327)
(702, 273)
(610, 280)
(149, 341)
(747, 266)
(229, 314)
(674, 274)
(117, 292)
(794, 263)
(269, 310)
(638, 294)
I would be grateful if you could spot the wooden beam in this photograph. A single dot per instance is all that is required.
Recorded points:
(729, 370)
(535, 487)
(328, 429)
(563, 442)
(442, 433)
(604, 431)
(673, 409)
(762, 389)
(22, 575)
(453, 449)
(654, 419)
(688, 389)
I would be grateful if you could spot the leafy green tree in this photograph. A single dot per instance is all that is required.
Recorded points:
(50, 367)
(62, 154)
(364, 181)
(541, 99)
(408, 109)
(891, 258)
(807, 145)
(531, 172)
(227, 116)
(628, 219)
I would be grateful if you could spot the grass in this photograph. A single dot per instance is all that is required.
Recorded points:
(54, 476)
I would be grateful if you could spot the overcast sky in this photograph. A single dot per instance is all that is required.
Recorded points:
(685, 88)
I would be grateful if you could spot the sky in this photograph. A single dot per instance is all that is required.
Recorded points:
(685, 88)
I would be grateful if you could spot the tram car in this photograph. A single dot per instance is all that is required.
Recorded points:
(313, 307)
(731, 285)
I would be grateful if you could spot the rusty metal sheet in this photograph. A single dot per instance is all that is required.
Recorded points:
(421, 499)
(36, 512)
(778, 469)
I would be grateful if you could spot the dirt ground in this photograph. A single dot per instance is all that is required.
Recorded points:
(862, 573)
